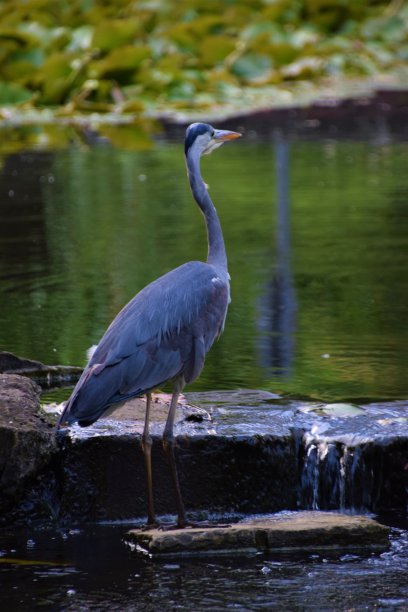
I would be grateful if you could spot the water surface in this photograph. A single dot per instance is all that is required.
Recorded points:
(317, 238)
(92, 569)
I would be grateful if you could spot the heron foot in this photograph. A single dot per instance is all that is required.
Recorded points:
(149, 526)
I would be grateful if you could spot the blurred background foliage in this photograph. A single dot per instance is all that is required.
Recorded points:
(134, 57)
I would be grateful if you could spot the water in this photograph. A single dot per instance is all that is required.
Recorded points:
(92, 569)
(317, 237)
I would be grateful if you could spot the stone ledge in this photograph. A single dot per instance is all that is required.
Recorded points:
(298, 531)
(275, 454)
(26, 438)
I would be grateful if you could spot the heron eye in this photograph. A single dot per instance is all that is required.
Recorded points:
(213, 134)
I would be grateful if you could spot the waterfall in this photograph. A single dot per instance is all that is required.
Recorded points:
(335, 475)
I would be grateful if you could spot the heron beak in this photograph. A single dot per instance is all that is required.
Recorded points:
(218, 138)
(223, 135)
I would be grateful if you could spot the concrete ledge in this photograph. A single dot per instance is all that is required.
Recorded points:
(257, 454)
(298, 531)
(240, 452)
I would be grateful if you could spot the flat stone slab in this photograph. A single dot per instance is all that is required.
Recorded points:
(297, 531)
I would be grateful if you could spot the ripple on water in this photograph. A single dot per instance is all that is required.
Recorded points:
(102, 572)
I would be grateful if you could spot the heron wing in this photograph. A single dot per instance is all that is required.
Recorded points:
(164, 331)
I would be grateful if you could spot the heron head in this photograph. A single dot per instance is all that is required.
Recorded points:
(203, 138)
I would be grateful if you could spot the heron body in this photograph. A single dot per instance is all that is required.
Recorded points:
(165, 331)
(160, 334)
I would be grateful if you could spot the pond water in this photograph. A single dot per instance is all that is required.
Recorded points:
(93, 569)
(317, 238)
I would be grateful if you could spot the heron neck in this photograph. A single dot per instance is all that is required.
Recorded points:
(217, 255)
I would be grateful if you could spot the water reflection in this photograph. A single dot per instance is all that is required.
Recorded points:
(321, 310)
(23, 241)
(277, 303)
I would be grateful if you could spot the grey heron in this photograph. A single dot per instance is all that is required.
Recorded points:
(164, 332)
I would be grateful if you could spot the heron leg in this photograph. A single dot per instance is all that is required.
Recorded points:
(168, 445)
(147, 451)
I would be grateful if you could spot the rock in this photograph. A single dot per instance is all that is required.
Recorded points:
(45, 375)
(13, 363)
(298, 531)
(26, 438)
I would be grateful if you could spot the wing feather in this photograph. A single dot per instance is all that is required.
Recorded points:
(163, 332)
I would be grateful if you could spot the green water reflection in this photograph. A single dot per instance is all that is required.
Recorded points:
(318, 256)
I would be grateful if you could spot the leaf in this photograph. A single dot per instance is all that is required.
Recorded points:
(342, 410)
(23, 39)
(55, 78)
(12, 93)
(57, 65)
(382, 28)
(81, 38)
(263, 33)
(214, 49)
(130, 138)
(181, 91)
(182, 35)
(176, 55)
(205, 25)
(188, 35)
(283, 52)
(112, 34)
(336, 410)
(120, 60)
(22, 64)
(304, 68)
(132, 106)
(252, 66)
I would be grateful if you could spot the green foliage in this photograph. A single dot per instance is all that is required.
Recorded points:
(169, 56)
(12, 93)
(252, 67)
(110, 35)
